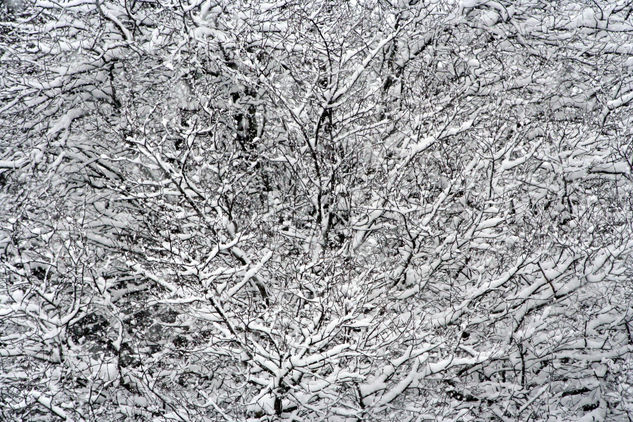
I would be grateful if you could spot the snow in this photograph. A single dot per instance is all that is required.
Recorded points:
(469, 4)
(490, 18)
(48, 403)
(490, 223)
(420, 146)
(620, 101)
(65, 121)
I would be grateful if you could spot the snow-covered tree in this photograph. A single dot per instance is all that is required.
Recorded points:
(369, 210)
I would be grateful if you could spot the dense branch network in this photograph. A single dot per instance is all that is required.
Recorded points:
(367, 210)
